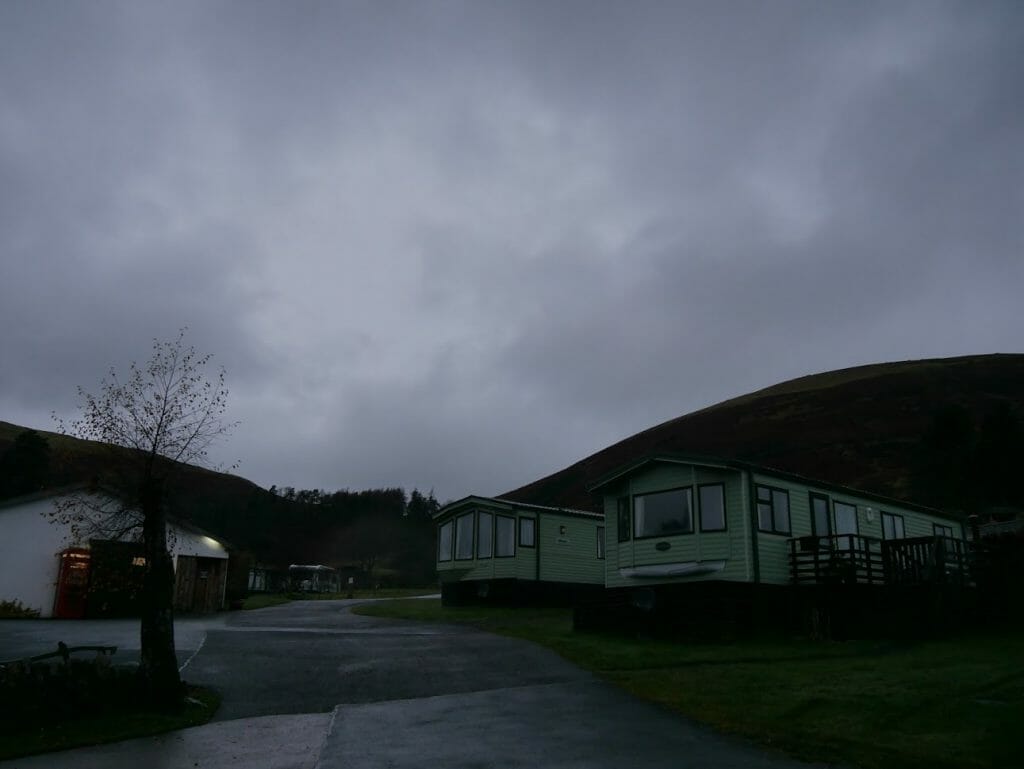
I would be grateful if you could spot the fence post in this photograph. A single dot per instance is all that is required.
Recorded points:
(867, 558)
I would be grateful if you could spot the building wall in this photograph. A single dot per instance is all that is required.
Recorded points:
(198, 560)
(29, 544)
(734, 545)
(478, 569)
(773, 549)
(566, 546)
(30, 541)
(731, 545)
(199, 583)
(184, 542)
(526, 557)
(568, 549)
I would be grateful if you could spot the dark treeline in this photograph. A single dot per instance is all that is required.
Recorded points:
(385, 535)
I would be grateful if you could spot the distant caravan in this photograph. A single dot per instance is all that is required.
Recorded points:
(313, 579)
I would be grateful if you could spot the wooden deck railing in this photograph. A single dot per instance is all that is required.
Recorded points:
(839, 558)
(927, 560)
(858, 559)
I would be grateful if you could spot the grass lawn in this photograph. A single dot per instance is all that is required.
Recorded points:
(108, 727)
(384, 592)
(262, 600)
(879, 705)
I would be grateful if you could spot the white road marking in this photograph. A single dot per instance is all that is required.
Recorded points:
(193, 654)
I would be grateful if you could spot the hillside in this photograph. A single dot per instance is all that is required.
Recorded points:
(210, 498)
(381, 533)
(862, 427)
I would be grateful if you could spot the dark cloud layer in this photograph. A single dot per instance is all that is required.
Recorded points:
(460, 245)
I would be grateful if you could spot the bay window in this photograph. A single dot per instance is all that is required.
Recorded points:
(663, 513)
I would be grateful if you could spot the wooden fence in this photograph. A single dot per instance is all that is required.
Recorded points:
(857, 559)
(839, 558)
(927, 560)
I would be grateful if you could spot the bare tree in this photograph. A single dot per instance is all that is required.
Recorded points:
(165, 415)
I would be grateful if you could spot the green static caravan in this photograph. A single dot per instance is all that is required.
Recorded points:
(726, 536)
(497, 550)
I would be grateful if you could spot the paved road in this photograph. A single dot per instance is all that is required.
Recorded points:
(21, 638)
(359, 693)
(313, 655)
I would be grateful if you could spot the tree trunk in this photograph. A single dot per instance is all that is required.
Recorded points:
(158, 668)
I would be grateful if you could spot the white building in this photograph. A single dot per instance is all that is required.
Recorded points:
(51, 565)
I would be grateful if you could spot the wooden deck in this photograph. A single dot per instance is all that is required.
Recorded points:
(855, 559)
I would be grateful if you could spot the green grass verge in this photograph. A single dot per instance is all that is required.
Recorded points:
(108, 727)
(878, 705)
(262, 600)
(384, 592)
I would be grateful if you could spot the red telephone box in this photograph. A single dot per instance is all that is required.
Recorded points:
(72, 584)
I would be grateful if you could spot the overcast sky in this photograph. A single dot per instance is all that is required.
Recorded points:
(460, 245)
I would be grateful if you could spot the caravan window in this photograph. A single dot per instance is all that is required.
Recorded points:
(821, 523)
(527, 532)
(712, 506)
(846, 518)
(444, 542)
(623, 518)
(464, 537)
(892, 526)
(663, 513)
(773, 510)
(484, 528)
(504, 537)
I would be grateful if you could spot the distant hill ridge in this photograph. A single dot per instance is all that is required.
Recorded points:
(860, 427)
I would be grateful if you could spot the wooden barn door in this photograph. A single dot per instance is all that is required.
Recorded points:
(199, 584)
(185, 583)
(216, 574)
(201, 591)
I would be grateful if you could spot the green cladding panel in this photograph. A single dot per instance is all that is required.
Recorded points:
(568, 549)
(764, 510)
(546, 545)
(711, 549)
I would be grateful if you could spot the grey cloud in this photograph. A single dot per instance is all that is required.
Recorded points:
(461, 245)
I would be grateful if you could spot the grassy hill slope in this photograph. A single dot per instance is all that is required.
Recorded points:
(338, 528)
(860, 427)
(212, 499)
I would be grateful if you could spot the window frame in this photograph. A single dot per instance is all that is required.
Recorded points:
(624, 518)
(772, 491)
(663, 535)
(600, 543)
(835, 519)
(490, 539)
(817, 496)
(450, 523)
(533, 534)
(894, 517)
(937, 528)
(700, 507)
(472, 536)
(512, 539)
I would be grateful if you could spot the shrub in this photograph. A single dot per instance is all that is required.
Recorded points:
(54, 690)
(16, 610)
